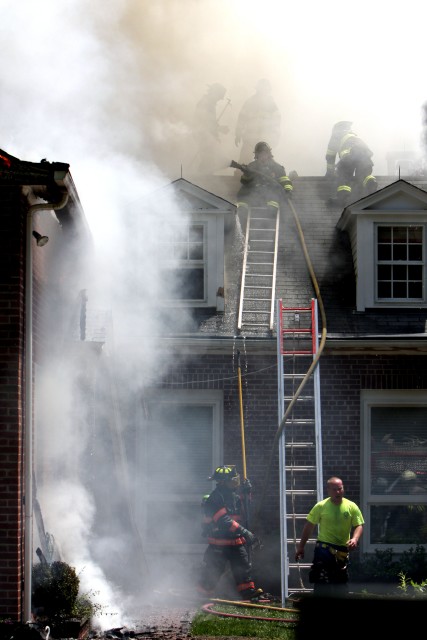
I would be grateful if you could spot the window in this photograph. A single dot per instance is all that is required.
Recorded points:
(395, 469)
(180, 446)
(400, 262)
(387, 232)
(183, 247)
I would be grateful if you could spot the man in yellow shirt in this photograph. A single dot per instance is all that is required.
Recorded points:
(340, 526)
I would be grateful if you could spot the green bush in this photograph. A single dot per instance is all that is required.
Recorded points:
(55, 589)
(386, 565)
(55, 593)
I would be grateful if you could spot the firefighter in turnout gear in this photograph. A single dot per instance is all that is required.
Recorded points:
(352, 175)
(263, 181)
(227, 537)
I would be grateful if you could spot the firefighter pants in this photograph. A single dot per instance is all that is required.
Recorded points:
(215, 561)
(354, 171)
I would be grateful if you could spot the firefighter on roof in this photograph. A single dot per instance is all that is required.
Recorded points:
(227, 537)
(263, 181)
(259, 119)
(353, 172)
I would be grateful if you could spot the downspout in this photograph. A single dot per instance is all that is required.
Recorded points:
(29, 427)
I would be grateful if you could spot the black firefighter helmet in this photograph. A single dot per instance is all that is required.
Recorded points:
(260, 147)
(343, 125)
(225, 474)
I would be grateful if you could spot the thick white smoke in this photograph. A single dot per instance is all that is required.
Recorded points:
(110, 87)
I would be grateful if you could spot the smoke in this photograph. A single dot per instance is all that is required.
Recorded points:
(110, 87)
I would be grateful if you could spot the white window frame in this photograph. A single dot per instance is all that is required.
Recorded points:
(213, 262)
(386, 398)
(392, 262)
(212, 398)
(366, 232)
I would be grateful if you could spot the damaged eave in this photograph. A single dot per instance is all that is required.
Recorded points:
(376, 345)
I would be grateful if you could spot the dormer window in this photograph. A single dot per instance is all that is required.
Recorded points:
(191, 247)
(183, 246)
(400, 263)
(387, 231)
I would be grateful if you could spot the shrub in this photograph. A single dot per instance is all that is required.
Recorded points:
(385, 566)
(56, 593)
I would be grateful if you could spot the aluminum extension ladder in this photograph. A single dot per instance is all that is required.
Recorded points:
(300, 447)
(257, 292)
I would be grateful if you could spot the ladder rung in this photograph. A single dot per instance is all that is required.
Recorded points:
(301, 468)
(259, 275)
(294, 375)
(299, 445)
(301, 492)
(255, 325)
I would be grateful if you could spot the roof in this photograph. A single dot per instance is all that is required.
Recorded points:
(329, 250)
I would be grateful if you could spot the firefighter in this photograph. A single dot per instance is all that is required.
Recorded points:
(228, 539)
(353, 172)
(208, 132)
(259, 119)
(263, 181)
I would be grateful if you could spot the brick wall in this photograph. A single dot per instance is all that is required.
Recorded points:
(341, 378)
(12, 296)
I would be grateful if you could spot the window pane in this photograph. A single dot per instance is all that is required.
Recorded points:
(415, 290)
(398, 524)
(183, 284)
(384, 234)
(415, 252)
(399, 247)
(196, 251)
(415, 234)
(400, 252)
(384, 290)
(399, 451)
(399, 290)
(400, 235)
(399, 272)
(384, 252)
(196, 233)
(179, 448)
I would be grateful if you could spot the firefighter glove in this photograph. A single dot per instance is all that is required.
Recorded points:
(247, 485)
(249, 536)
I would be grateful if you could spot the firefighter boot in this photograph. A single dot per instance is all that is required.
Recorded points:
(252, 594)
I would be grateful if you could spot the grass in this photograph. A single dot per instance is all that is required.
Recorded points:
(209, 624)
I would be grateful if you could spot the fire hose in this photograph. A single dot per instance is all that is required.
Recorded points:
(208, 608)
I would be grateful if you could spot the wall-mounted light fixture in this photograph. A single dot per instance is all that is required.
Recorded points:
(41, 240)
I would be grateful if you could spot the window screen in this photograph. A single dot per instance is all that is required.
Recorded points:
(398, 446)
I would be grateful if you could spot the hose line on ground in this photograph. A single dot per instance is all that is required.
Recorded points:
(208, 608)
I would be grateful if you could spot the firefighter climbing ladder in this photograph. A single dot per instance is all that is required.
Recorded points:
(300, 446)
(256, 307)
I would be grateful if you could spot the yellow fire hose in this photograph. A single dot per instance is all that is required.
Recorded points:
(242, 421)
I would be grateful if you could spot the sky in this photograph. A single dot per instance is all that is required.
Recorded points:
(110, 87)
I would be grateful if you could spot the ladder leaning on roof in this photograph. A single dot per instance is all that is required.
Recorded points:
(257, 292)
(300, 445)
